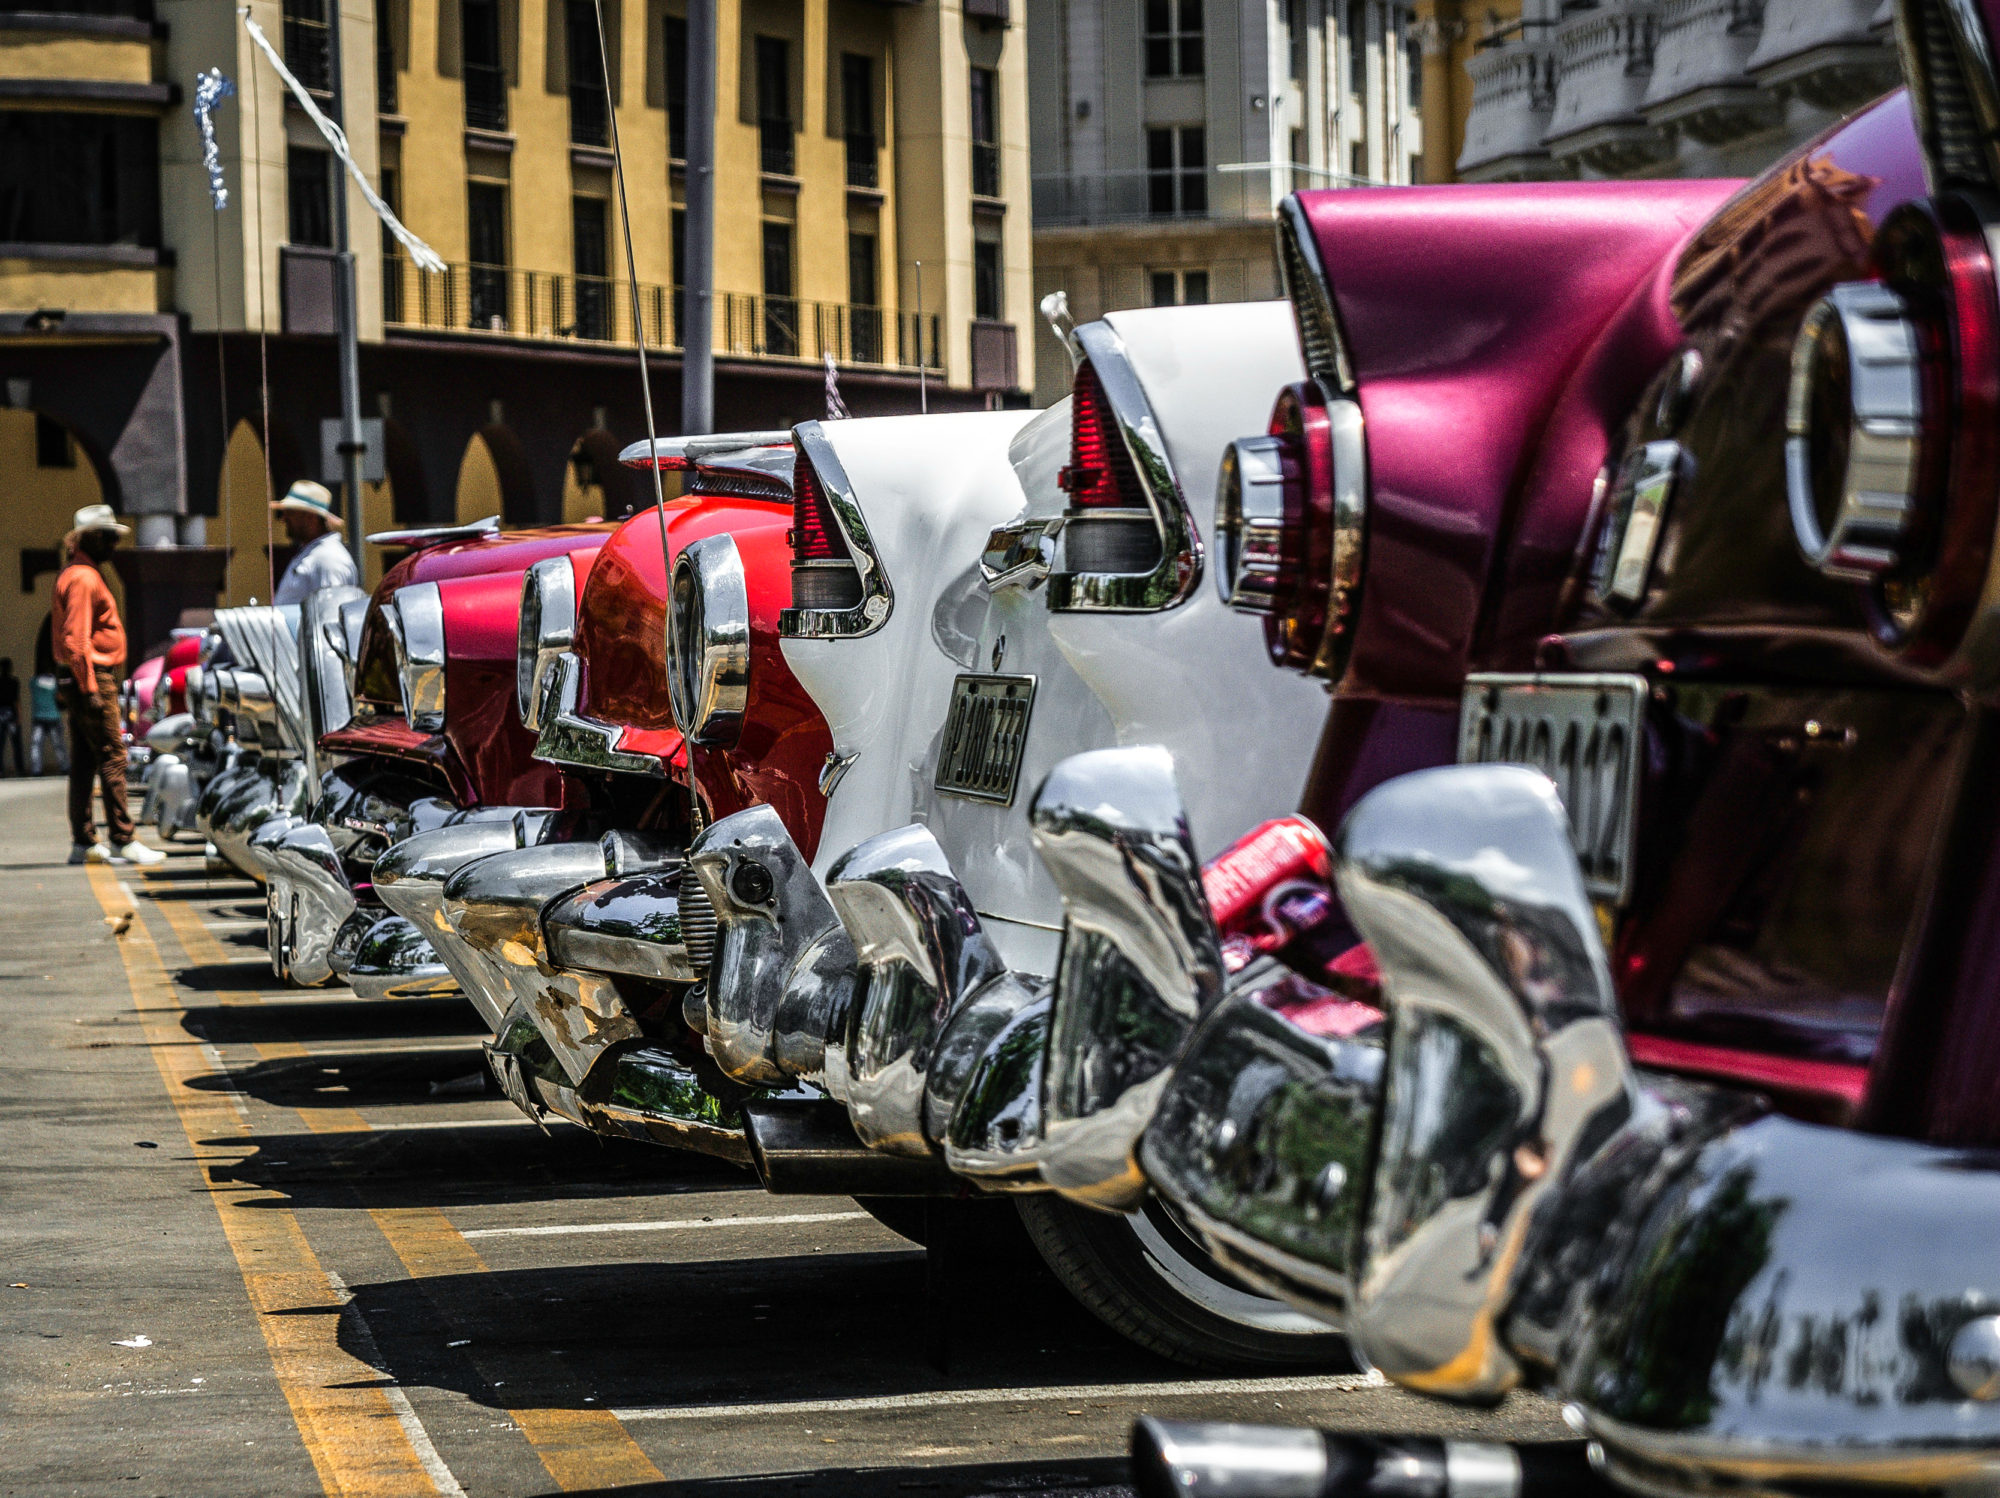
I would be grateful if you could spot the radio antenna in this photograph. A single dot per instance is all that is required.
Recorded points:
(632, 280)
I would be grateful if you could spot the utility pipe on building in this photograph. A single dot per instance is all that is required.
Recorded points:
(347, 330)
(698, 251)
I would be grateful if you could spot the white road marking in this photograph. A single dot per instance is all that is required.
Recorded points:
(406, 1413)
(779, 1220)
(1340, 1383)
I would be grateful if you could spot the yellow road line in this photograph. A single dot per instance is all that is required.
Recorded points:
(352, 1432)
(582, 1449)
(202, 948)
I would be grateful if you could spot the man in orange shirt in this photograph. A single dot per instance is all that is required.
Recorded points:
(89, 639)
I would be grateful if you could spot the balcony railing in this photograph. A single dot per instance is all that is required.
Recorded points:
(485, 96)
(985, 169)
(507, 301)
(1123, 196)
(863, 161)
(589, 115)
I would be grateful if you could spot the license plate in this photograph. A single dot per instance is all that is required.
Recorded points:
(985, 737)
(1585, 733)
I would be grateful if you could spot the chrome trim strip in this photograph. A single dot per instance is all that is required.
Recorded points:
(570, 738)
(877, 598)
(419, 637)
(1173, 580)
(547, 627)
(708, 641)
(1021, 553)
(437, 535)
(1310, 291)
(683, 451)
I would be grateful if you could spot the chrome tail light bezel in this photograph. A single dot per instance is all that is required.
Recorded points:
(546, 628)
(1172, 578)
(877, 598)
(415, 619)
(708, 641)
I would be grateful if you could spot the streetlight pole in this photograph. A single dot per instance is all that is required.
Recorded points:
(345, 319)
(698, 253)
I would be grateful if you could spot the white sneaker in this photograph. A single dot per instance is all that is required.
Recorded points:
(137, 852)
(93, 853)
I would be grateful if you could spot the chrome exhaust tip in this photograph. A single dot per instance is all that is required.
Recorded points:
(1196, 1459)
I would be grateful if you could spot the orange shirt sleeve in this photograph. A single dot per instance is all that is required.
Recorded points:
(72, 624)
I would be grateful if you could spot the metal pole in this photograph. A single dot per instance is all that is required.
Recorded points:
(698, 253)
(345, 317)
(923, 389)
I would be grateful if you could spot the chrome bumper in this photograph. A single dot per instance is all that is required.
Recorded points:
(309, 902)
(250, 797)
(1730, 1300)
(383, 956)
(410, 877)
(170, 795)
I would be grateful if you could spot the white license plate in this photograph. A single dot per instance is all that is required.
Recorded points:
(1585, 733)
(985, 737)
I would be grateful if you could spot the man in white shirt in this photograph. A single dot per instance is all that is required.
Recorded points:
(322, 560)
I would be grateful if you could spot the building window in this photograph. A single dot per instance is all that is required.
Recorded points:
(1295, 36)
(54, 447)
(1413, 57)
(1173, 39)
(385, 56)
(1357, 161)
(864, 296)
(1179, 288)
(591, 257)
(986, 288)
(589, 102)
(309, 196)
(677, 86)
(309, 45)
(79, 178)
(391, 188)
(483, 66)
(984, 94)
(774, 104)
(1357, 49)
(857, 114)
(486, 238)
(677, 233)
(781, 312)
(1177, 170)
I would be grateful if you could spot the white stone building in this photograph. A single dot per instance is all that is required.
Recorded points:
(1668, 88)
(1163, 134)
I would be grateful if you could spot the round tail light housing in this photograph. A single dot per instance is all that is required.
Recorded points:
(1291, 527)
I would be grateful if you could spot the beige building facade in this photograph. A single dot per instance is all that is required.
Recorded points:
(871, 199)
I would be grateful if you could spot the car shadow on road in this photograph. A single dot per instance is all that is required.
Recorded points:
(303, 1019)
(1071, 1477)
(476, 1165)
(740, 1341)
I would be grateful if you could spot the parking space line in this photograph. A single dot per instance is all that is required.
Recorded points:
(581, 1448)
(788, 1219)
(359, 1446)
(1338, 1383)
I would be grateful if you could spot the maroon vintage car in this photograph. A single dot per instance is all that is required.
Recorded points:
(1689, 1098)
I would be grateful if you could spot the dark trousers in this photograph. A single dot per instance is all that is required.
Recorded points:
(10, 735)
(97, 753)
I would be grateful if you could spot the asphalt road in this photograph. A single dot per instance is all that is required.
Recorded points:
(266, 1241)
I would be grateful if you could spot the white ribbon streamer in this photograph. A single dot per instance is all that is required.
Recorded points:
(425, 257)
(210, 89)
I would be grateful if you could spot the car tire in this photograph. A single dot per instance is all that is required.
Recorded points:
(1144, 1276)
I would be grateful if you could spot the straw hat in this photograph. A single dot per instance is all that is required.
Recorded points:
(95, 518)
(308, 498)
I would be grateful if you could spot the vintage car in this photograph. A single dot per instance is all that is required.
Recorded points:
(377, 676)
(576, 944)
(1687, 1107)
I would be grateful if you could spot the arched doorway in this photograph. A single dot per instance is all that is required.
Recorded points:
(242, 522)
(49, 477)
(493, 480)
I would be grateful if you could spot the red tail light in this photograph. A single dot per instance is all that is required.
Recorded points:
(1100, 471)
(816, 534)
